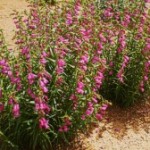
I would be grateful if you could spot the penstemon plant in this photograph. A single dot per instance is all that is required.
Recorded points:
(128, 53)
(67, 57)
(55, 77)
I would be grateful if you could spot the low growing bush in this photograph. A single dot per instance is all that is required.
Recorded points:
(67, 57)
(53, 83)
(126, 28)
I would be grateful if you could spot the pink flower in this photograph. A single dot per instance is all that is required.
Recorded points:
(99, 79)
(146, 50)
(147, 1)
(59, 70)
(30, 93)
(142, 89)
(100, 46)
(99, 116)
(43, 85)
(61, 63)
(45, 80)
(43, 123)
(3, 62)
(78, 8)
(16, 110)
(84, 59)
(121, 71)
(108, 13)
(126, 59)
(73, 97)
(95, 59)
(63, 40)
(89, 111)
(126, 20)
(122, 41)
(42, 106)
(110, 73)
(60, 129)
(60, 66)
(32, 26)
(25, 50)
(75, 101)
(19, 41)
(95, 100)
(65, 128)
(1, 107)
(83, 62)
(43, 61)
(80, 86)
(66, 125)
(69, 20)
(11, 101)
(86, 33)
(104, 107)
(83, 117)
(120, 76)
(80, 91)
(31, 77)
(102, 39)
(145, 78)
(67, 121)
(111, 64)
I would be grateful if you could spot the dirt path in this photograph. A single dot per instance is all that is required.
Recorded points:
(6, 22)
(120, 130)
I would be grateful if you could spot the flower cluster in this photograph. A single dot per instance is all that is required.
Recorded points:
(68, 59)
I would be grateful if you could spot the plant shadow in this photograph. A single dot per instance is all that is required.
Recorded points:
(117, 122)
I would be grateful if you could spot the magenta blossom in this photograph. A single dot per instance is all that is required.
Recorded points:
(69, 20)
(31, 77)
(43, 86)
(16, 110)
(147, 1)
(99, 116)
(43, 123)
(1, 107)
(80, 87)
(42, 106)
(61, 63)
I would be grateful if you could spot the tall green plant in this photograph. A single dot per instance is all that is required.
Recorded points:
(128, 56)
(53, 82)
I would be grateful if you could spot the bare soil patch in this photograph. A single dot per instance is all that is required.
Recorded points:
(6, 21)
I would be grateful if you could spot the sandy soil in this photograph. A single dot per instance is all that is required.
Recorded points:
(6, 22)
(120, 130)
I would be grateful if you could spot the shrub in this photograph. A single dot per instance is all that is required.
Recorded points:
(126, 49)
(67, 57)
(54, 80)
(6, 88)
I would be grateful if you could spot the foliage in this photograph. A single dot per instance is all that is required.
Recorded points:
(53, 82)
(127, 50)
(67, 58)
(43, 2)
